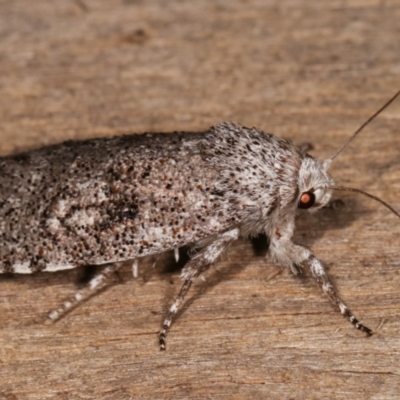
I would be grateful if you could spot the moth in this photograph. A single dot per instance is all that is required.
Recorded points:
(108, 200)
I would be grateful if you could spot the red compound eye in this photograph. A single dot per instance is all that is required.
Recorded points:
(307, 200)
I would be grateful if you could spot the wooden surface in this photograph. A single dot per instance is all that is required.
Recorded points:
(308, 71)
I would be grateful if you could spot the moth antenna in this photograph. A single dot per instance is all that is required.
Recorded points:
(371, 196)
(373, 116)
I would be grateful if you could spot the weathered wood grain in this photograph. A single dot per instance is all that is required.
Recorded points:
(309, 71)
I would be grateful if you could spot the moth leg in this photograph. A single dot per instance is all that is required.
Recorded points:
(319, 274)
(95, 285)
(199, 263)
(135, 268)
(294, 255)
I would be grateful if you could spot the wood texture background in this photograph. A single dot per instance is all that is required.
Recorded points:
(308, 71)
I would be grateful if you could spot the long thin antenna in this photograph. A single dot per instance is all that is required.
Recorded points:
(371, 196)
(362, 127)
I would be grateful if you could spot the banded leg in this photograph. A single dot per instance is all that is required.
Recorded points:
(294, 255)
(95, 285)
(200, 262)
(319, 274)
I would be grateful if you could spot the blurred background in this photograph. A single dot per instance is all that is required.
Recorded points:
(80, 68)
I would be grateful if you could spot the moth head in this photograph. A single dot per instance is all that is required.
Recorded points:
(314, 183)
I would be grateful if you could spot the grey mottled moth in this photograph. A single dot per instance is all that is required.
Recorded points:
(105, 201)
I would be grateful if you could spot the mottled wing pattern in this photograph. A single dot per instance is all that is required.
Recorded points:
(106, 200)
